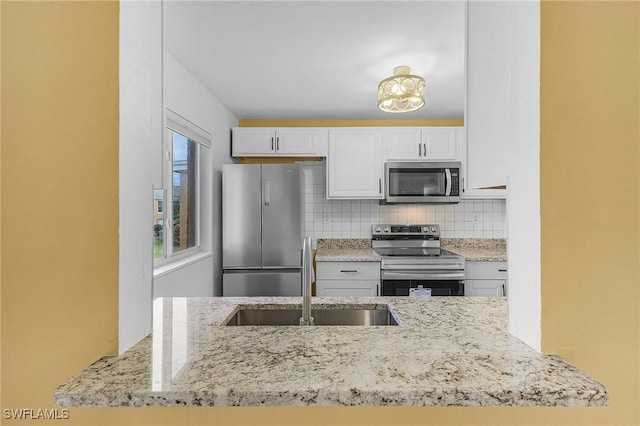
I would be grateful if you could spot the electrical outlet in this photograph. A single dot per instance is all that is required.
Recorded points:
(326, 218)
(476, 218)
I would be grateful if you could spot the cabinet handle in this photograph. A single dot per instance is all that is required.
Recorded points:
(272, 143)
(424, 149)
(502, 270)
(267, 192)
(419, 150)
(377, 289)
(348, 270)
(278, 143)
(380, 186)
(503, 291)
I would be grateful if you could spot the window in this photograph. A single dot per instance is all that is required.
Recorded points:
(184, 182)
(158, 224)
(177, 206)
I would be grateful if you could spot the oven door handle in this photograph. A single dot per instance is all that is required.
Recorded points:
(457, 267)
(440, 275)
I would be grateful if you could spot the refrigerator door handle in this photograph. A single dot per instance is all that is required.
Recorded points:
(267, 192)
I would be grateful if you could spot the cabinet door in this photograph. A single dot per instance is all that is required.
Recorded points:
(487, 115)
(485, 288)
(354, 164)
(439, 143)
(485, 270)
(330, 288)
(301, 142)
(249, 142)
(403, 144)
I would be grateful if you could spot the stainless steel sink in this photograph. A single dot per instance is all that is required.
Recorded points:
(333, 316)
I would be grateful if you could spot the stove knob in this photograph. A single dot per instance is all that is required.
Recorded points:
(378, 229)
(387, 229)
(425, 229)
(434, 229)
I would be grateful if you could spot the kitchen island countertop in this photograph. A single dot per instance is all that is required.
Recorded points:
(448, 351)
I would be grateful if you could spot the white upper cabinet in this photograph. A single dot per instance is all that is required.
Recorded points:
(269, 141)
(354, 163)
(421, 143)
(487, 115)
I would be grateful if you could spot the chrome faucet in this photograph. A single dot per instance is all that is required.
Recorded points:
(307, 265)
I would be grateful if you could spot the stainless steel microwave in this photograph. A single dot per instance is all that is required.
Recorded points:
(429, 182)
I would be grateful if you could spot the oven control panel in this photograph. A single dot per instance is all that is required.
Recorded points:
(400, 230)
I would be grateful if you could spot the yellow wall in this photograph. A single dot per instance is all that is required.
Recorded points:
(347, 123)
(591, 195)
(59, 275)
(59, 194)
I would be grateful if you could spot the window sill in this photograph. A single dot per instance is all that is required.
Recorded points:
(179, 264)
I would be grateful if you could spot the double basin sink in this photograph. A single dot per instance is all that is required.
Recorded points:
(378, 316)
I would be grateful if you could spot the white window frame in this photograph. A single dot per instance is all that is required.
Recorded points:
(178, 124)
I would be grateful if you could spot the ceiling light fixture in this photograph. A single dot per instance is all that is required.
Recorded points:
(402, 92)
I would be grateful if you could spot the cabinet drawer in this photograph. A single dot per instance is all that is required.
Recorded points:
(335, 288)
(485, 270)
(348, 270)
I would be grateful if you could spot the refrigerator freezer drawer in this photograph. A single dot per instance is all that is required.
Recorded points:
(261, 283)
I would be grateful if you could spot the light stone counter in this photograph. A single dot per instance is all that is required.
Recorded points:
(347, 255)
(437, 357)
(477, 249)
(346, 250)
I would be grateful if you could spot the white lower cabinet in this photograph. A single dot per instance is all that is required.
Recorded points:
(347, 278)
(485, 278)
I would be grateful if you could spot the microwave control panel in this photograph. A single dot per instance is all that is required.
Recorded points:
(455, 182)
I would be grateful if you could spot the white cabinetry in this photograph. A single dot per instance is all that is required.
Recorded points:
(421, 143)
(487, 115)
(267, 141)
(347, 278)
(485, 278)
(354, 164)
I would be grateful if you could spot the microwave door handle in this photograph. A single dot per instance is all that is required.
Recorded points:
(447, 179)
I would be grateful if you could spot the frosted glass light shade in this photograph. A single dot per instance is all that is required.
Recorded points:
(402, 92)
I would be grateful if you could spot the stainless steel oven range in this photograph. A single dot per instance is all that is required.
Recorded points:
(412, 259)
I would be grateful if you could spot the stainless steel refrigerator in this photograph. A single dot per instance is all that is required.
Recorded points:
(261, 235)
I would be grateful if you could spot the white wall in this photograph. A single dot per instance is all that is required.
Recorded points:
(523, 205)
(194, 279)
(140, 128)
(324, 218)
(186, 96)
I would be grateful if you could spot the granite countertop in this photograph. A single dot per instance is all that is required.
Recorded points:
(438, 357)
(346, 250)
(482, 249)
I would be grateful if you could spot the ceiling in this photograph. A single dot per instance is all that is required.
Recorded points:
(319, 59)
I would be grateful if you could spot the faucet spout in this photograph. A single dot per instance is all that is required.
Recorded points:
(307, 265)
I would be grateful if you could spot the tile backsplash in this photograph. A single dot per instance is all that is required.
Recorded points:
(324, 218)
